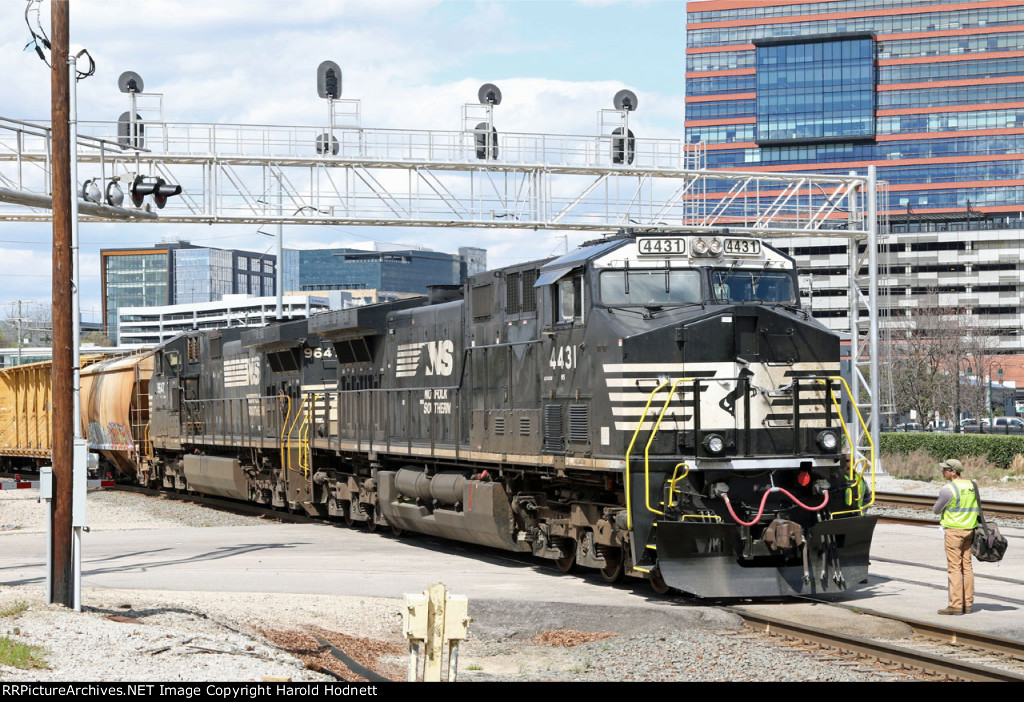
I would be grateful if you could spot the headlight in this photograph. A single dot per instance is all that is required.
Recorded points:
(715, 247)
(827, 440)
(700, 247)
(714, 444)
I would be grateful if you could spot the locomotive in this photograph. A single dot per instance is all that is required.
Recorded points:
(652, 405)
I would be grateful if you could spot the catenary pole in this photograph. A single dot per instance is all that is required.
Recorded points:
(61, 391)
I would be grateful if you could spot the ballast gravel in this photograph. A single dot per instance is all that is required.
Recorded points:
(149, 636)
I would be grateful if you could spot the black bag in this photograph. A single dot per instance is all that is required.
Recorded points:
(988, 544)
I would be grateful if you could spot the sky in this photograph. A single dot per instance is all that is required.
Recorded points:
(412, 64)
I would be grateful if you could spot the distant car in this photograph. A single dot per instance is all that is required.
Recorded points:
(1007, 425)
(999, 425)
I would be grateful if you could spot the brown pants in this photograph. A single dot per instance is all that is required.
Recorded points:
(958, 565)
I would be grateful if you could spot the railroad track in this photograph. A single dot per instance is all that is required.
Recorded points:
(1010, 510)
(935, 651)
(223, 505)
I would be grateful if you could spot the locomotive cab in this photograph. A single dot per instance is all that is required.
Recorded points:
(689, 358)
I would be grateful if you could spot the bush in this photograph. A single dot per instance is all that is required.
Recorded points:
(998, 450)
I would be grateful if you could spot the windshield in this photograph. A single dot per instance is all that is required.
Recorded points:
(647, 287)
(745, 286)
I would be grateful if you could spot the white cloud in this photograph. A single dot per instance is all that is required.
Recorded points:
(412, 64)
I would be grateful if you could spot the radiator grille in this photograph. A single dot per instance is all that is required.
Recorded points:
(554, 439)
(579, 424)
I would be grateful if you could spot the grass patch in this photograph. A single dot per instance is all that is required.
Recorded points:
(13, 610)
(920, 464)
(1006, 452)
(19, 655)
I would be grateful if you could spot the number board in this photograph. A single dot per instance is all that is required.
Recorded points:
(742, 247)
(660, 246)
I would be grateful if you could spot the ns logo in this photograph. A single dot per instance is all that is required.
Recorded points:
(439, 357)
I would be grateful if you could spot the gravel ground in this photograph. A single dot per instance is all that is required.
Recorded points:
(202, 636)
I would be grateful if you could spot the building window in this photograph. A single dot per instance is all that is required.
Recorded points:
(815, 89)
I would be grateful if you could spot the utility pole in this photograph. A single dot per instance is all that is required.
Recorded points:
(61, 408)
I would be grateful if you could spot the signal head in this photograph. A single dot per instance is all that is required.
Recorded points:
(489, 94)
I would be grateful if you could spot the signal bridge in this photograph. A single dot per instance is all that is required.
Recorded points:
(346, 174)
(351, 175)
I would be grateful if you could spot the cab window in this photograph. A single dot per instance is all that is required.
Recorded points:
(751, 286)
(568, 299)
(650, 287)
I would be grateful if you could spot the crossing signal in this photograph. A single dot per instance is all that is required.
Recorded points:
(157, 187)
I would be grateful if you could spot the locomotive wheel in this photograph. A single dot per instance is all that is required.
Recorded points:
(612, 571)
(346, 515)
(397, 531)
(658, 583)
(371, 522)
(567, 564)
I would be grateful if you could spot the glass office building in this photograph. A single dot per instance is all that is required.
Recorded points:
(408, 271)
(179, 273)
(930, 93)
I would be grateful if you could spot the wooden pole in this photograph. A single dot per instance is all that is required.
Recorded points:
(61, 407)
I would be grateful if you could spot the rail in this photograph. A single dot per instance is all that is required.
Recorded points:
(245, 422)
(849, 442)
(308, 418)
(946, 665)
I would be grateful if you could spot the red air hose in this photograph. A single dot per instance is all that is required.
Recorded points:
(764, 499)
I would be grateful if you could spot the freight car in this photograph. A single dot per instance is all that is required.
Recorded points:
(114, 411)
(653, 405)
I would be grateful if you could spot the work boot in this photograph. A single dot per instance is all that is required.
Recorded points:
(951, 610)
(967, 609)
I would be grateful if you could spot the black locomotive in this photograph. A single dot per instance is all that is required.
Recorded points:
(649, 405)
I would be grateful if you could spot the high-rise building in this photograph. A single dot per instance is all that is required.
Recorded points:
(406, 271)
(179, 273)
(931, 93)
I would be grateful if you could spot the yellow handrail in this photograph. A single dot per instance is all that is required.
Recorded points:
(647, 449)
(674, 480)
(849, 439)
(285, 445)
(636, 432)
(629, 450)
(305, 454)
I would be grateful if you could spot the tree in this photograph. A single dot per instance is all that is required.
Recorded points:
(97, 338)
(931, 349)
(28, 323)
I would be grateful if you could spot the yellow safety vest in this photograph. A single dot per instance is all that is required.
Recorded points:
(962, 510)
